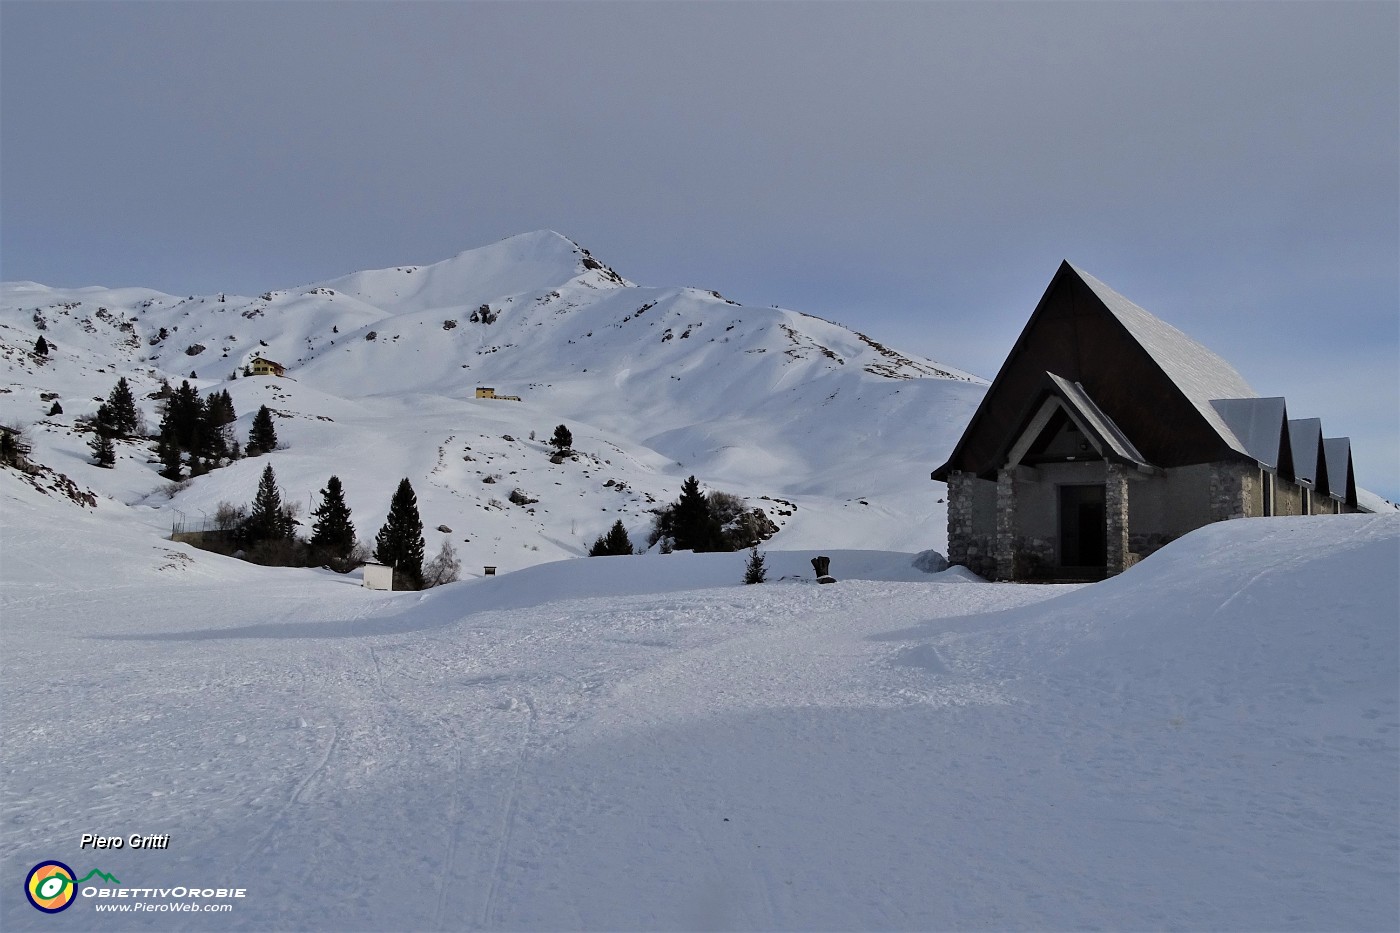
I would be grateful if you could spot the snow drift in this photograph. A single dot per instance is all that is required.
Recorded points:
(1207, 741)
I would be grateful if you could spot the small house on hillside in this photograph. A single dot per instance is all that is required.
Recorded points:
(489, 392)
(260, 366)
(1108, 433)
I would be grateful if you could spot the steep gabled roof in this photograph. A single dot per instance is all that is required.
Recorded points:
(1200, 373)
(1151, 380)
(1309, 463)
(1341, 477)
(1261, 425)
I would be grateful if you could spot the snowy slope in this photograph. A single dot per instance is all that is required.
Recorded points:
(655, 383)
(1208, 741)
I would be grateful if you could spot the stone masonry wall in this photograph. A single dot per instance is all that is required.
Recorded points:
(1006, 525)
(1233, 489)
(968, 545)
(1116, 519)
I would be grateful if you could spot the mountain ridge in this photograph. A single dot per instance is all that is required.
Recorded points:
(382, 368)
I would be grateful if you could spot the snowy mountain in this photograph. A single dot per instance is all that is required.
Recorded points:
(382, 368)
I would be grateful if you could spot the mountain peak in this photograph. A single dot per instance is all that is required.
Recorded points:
(517, 264)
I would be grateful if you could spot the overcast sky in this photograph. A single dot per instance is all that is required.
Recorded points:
(915, 171)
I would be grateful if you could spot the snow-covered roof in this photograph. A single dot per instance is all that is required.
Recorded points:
(1337, 453)
(1257, 423)
(1368, 501)
(1200, 373)
(1305, 434)
(1096, 421)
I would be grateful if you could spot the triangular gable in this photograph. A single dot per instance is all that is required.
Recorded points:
(1200, 373)
(1113, 443)
(1341, 480)
(1147, 377)
(1058, 394)
(1308, 464)
(1261, 425)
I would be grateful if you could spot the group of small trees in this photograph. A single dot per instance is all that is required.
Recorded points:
(699, 522)
(198, 433)
(195, 432)
(616, 543)
(266, 531)
(118, 417)
(612, 544)
(716, 521)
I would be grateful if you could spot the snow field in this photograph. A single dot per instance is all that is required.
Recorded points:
(1208, 741)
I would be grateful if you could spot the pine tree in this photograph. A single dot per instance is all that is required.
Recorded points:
(104, 422)
(220, 408)
(103, 427)
(614, 543)
(13, 447)
(562, 440)
(182, 421)
(693, 527)
(126, 417)
(400, 542)
(263, 437)
(754, 571)
(267, 519)
(333, 534)
(41, 347)
(168, 452)
(104, 451)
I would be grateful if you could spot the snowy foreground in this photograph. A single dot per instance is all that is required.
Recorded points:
(1206, 742)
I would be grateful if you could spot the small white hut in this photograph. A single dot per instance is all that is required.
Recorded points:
(378, 577)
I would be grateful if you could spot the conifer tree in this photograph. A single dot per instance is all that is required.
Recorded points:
(263, 437)
(104, 451)
(168, 453)
(125, 416)
(754, 571)
(13, 447)
(41, 347)
(104, 421)
(563, 439)
(614, 543)
(400, 542)
(267, 519)
(333, 534)
(182, 421)
(220, 409)
(693, 527)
